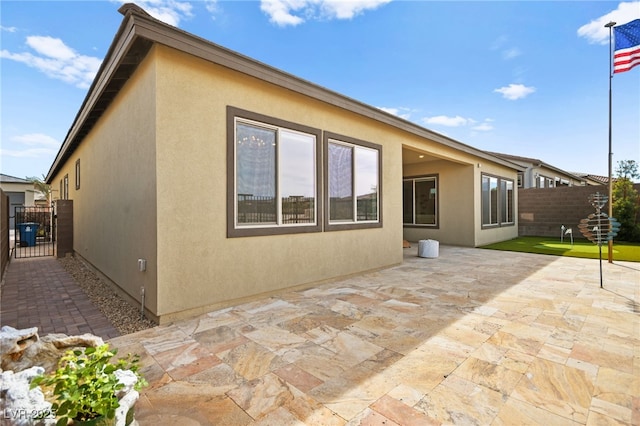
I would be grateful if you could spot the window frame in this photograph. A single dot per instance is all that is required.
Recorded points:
(65, 188)
(543, 181)
(436, 178)
(235, 115)
(330, 137)
(501, 202)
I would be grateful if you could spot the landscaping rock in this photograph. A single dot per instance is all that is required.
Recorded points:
(22, 349)
(20, 405)
(24, 356)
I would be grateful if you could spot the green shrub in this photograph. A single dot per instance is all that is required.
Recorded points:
(85, 385)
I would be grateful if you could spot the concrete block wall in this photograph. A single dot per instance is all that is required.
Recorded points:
(541, 212)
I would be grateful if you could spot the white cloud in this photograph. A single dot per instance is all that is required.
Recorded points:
(169, 11)
(51, 47)
(57, 60)
(401, 112)
(515, 91)
(37, 139)
(211, 5)
(511, 53)
(483, 127)
(507, 52)
(499, 42)
(595, 31)
(458, 121)
(28, 153)
(40, 145)
(295, 12)
(342, 9)
(443, 120)
(278, 11)
(8, 29)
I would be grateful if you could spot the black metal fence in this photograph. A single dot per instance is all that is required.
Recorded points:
(342, 208)
(34, 232)
(299, 209)
(258, 209)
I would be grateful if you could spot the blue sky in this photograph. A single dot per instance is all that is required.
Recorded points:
(526, 78)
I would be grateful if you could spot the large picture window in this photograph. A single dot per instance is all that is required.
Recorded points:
(352, 174)
(274, 184)
(420, 201)
(497, 201)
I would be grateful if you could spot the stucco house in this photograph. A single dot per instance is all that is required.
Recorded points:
(538, 174)
(302, 184)
(20, 191)
(593, 180)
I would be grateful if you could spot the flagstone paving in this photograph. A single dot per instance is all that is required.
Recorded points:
(473, 337)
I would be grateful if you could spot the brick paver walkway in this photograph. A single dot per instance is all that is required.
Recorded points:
(38, 292)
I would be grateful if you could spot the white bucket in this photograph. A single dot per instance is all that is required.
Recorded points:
(428, 248)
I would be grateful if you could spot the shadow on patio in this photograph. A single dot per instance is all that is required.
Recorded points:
(471, 337)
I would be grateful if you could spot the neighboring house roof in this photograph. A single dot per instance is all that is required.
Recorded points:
(537, 163)
(602, 179)
(139, 31)
(12, 179)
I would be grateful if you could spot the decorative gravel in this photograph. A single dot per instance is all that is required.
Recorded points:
(124, 316)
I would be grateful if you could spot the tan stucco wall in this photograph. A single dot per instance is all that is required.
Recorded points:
(114, 209)
(197, 264)
(455, 197)
(460, 186)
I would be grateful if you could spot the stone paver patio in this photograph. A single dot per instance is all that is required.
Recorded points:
(473, 337)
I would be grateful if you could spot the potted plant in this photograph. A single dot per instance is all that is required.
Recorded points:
(85, 386)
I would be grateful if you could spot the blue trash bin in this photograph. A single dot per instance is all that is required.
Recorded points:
(28, 231)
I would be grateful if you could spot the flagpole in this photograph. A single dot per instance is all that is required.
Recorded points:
(610, 247)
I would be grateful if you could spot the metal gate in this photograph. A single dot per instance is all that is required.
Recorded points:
(34, 232)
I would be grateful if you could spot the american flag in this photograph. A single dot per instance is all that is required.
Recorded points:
(627, 48)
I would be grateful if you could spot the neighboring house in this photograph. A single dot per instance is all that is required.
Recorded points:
(20, 192)
(594, 179)
(301, 184)
(538, 174)
(40, 199)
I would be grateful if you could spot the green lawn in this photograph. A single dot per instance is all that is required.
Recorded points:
(581, 248)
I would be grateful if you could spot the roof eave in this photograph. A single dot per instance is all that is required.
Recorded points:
(557, 170)
(101, 91)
